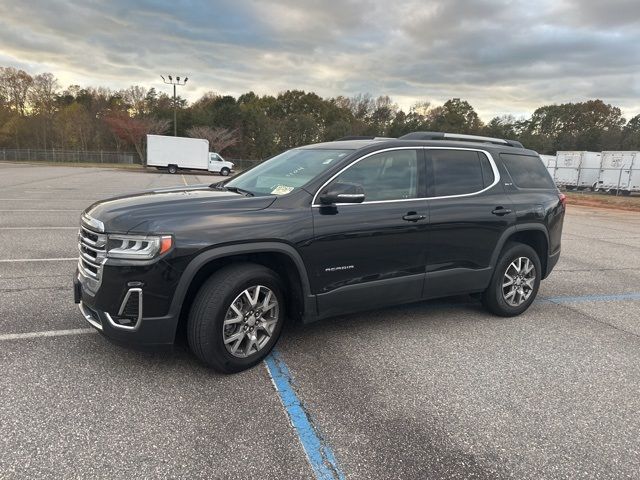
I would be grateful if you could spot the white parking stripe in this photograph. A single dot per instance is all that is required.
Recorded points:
(39, 199)
(18, 260)
(39, 228)
(41, 210)
(49, 333)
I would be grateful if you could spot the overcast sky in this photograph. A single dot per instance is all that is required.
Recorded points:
(504, 57)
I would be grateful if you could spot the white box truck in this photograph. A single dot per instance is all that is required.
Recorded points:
(577, 169)
(620, 172)
(549, 162)
(175, 153)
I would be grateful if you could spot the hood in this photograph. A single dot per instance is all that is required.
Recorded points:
(150, 210)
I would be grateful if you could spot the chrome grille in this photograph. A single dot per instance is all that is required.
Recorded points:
(92, 246)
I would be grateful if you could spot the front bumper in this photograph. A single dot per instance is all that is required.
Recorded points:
(141, 330)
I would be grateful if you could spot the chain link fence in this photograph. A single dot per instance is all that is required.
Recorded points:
(67, 156)
(89, 156)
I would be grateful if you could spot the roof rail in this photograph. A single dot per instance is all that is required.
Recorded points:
(362, 137)
(459, 136)
(355, 137)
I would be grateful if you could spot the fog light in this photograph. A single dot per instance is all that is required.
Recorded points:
(130, 314)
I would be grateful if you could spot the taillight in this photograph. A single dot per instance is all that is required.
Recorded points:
(563, 199)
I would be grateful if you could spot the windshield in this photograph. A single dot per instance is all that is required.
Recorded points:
(289, 170)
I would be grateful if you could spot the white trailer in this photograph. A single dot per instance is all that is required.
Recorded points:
(634, 178)
(578, 169)
(175, 153)
(549, 162)
(620, 172)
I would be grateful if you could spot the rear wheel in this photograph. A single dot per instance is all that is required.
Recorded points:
(236, 317)
(173, 169)
(515, 281)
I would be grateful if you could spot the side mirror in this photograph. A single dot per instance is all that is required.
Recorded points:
(342, 193)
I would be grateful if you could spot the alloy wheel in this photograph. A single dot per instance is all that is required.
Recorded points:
(518, 281)
(250, 321)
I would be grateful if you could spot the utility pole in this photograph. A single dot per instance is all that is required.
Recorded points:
(174, 82)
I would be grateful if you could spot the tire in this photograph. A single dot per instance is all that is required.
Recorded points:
(626, 193)
(172, 169)
(206, 331)
(494, 298)
(225, 172)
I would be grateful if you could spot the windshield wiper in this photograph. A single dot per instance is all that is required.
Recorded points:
(239, 190)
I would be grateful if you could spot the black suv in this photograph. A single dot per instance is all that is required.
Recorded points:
(318, 231)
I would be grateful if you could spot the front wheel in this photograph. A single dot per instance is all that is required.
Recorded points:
(225, 172)
(515, 281)
(236, 317)
(173, 169)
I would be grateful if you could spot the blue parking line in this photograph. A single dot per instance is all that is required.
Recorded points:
(319, 454)
(620, 297)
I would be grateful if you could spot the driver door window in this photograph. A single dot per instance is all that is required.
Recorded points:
(380, 253)
(389, 175)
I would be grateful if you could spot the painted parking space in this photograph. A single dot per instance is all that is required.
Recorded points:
(431, 390)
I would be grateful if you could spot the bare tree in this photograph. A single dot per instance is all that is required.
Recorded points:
(42, 100)
(421, 107)
(42, 95)
(361, 105)
(135, 96)
(219, 138)
(15, 85)
(134, 130)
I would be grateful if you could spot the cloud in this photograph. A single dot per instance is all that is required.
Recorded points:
(504, 57)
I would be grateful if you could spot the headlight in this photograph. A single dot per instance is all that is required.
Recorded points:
(137, 247)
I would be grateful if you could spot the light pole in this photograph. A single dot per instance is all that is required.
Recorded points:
(174, 82)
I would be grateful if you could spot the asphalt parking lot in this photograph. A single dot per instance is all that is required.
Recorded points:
(432, 390)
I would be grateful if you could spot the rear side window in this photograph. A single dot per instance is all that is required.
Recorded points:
(527, 171)
(459, 172)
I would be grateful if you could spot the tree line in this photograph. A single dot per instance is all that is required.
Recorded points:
(36, 112)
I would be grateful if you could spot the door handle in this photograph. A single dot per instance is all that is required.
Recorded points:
(413, 217)
(500, 211)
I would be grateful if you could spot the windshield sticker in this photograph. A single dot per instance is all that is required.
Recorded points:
(295, 172)
(281, 190)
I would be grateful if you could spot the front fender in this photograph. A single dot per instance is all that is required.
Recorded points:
(205, 257)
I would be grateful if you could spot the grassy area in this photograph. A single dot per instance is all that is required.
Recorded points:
(603, 200)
